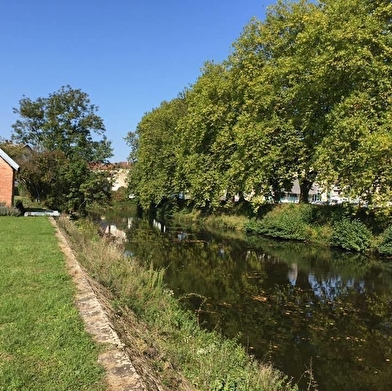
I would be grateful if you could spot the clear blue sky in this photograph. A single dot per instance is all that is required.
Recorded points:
(129, 56)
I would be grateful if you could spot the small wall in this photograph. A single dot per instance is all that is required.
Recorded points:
(7, 178)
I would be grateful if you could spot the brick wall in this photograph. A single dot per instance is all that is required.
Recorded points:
(7, 177)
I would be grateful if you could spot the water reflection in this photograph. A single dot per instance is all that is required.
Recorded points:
(297, 305)
(292, 274)
(330, 288)
(113, 230)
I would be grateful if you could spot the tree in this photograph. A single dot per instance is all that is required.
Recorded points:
(65, 121)
(317, 102)
(63, 184)
(356, 151)
(263, 158)
(206, 139)
(305, 94)
(154, 144)
(283, 117)
(40, 177)
(66, 135)
(18, 152)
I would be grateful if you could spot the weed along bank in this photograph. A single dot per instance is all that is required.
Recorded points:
(8, 168)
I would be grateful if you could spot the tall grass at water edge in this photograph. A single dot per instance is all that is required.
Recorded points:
(219, 222)
(207, 360)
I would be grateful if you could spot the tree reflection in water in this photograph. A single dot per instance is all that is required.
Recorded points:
(293, 304)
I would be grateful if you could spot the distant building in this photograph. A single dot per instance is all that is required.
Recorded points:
(120, 175)
(293, 196)
(20, 153)
(8, 169)
(117, 173)
(317, 194)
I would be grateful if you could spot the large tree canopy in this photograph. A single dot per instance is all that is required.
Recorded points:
(65, 121)
(304, 94)
(206, 141)
(356, 151)
(154, 143)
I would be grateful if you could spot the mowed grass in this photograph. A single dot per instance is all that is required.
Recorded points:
(43, 343)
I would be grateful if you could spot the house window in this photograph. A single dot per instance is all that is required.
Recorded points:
(293, 197)
(316, 197)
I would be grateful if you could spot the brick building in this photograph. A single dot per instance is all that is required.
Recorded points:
(8, 168)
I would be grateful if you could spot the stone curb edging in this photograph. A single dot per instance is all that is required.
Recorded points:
(120, 373)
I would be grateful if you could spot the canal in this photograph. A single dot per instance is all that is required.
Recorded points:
(318, 315)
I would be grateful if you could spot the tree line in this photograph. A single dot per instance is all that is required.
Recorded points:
(303, 95)
(64, 135)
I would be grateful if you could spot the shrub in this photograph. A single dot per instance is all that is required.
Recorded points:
(225, 222)
(121, 194)
(350, 235)
(5, 211)
(385, 247)
(285, 222)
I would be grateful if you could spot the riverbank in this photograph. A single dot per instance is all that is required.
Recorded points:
(176, 350)
(348, 227)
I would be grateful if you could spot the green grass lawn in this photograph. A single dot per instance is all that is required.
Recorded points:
(43, 344)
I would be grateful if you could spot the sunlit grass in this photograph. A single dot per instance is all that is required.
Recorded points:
(226, 222)
(43, 344)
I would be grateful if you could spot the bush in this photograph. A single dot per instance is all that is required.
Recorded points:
(351, 235)
(121, 194)
(385, 247)
(5, 211)
(285, 222)
(225, 222)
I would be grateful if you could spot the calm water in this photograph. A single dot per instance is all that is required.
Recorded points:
(303, 308)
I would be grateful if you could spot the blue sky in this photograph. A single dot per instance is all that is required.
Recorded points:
(129, 56)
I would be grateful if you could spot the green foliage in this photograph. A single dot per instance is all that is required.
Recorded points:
(152, 178)
(385, 247)
(225, 223)
(305, 94)
(356, 149)
(66, 135)
(351, 235)
(207, 140)
(94, 190)
(65, 121)
(61, 183)
(284, 222)
(120, 195)
(17, 152)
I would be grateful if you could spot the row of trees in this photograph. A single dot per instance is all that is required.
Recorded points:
(305, 94)
(66, 135)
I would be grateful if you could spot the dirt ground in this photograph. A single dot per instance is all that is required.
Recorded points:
(128, 357)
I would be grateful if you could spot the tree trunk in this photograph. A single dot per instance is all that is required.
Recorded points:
(276, 191)
(305, 186)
